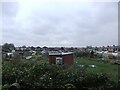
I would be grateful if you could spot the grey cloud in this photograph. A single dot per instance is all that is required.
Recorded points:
(62, 24)
(9, 8)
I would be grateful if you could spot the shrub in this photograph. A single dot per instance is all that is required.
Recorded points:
(82, 54)
(34, 75)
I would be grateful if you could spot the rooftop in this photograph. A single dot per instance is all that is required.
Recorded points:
(59, 53)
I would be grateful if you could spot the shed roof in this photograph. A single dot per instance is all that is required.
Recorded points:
(60, 53)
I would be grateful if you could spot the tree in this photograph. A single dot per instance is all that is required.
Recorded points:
(8, 47)
(91, 54)
(23, 46)
(11, 46)
(32, 48)
(62, 48)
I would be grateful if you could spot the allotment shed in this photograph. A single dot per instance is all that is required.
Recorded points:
(61, 58)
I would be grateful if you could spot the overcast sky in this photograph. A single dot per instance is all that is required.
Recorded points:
(59, 23)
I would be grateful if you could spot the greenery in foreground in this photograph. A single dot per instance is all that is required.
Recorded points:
(34, 75)
(100, 67)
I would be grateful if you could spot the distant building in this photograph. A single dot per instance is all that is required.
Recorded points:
(61, 58)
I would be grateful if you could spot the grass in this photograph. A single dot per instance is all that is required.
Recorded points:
(101, 67)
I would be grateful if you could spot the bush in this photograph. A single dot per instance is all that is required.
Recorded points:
(34, 75)
(82, 54)
(5, 87)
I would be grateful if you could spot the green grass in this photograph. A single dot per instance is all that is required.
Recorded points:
(101, 67)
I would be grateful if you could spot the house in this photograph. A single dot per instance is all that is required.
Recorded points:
(60, 58)
(43, 52)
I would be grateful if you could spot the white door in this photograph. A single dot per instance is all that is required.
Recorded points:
(58, 60)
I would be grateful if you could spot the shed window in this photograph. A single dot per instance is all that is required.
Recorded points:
(58, 60)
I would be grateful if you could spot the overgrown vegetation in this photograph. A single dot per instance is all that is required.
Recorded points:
(35, 75)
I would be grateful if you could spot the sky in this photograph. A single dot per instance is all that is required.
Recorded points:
(59, 23)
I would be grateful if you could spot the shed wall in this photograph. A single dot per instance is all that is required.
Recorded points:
(67, 59)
